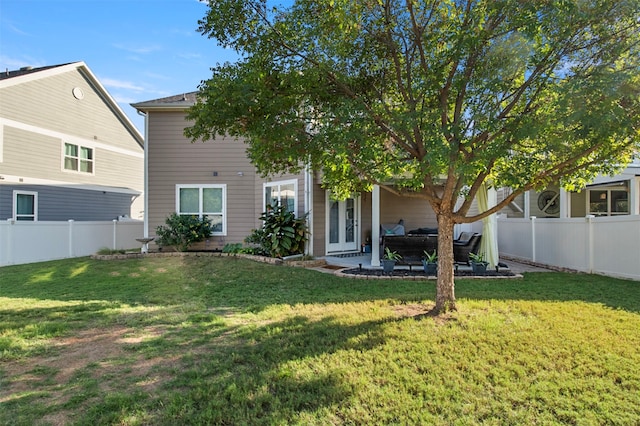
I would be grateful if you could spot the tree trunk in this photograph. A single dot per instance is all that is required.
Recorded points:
(445, 294)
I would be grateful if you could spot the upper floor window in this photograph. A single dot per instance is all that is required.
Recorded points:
(25, 205)
(208, 201)
(281, 193)
(78, 158)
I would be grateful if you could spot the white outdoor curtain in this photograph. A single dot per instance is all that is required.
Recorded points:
(489, 243)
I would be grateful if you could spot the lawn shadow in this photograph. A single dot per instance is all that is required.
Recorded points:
(255, 373)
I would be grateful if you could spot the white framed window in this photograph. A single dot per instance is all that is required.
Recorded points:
(78, 158)
(608, 202)
(208, 201)
(25, 205)
(284, 193)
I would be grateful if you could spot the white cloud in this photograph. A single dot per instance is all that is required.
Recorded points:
(13, 63)
(157, 76)
(120, 84)
(141, 50)
(189, 55)
(17, 30)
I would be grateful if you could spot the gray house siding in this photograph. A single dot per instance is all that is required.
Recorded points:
(174, 160)
(60, 204)
(42, 110)
(49, 103)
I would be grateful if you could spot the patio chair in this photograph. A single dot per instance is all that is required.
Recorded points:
(466, 243)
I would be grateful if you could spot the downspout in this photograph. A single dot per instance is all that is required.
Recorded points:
(146, 174)
(308, 204)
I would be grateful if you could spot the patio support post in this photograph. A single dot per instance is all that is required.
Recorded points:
(375, 226)
(565, 203)
(634, 196)
(527, 204)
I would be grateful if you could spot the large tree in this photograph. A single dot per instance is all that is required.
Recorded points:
(429, 99)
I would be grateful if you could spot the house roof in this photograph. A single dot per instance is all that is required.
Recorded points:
(26, 74)
(175, 103)
(25, 70)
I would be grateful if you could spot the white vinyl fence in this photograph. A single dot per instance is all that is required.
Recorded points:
(28, 242)
(601, 245)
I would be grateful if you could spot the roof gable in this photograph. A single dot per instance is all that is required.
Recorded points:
(26, 75)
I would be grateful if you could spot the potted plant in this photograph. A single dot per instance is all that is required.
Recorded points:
(430, 262)
(478, 264)
(389, 260)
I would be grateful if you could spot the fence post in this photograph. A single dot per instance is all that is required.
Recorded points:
(590, 246)
(533, 238)
(9, 247)
(70, 221)
(115, 234)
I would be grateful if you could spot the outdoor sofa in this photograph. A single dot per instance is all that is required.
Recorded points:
(412, 246)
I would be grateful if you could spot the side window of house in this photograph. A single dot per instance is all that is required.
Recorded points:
(25, 205)
(281, 193)
(78, 158)
(207, 201)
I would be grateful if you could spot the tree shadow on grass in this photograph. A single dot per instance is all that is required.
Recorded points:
(213, 373)
(270, 374)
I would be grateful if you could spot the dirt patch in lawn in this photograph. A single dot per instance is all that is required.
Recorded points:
(411, 309)
(100, 355)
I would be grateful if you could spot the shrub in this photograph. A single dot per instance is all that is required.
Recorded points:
(107, 251)
(232, 248)
(281, 234)
(183, 230)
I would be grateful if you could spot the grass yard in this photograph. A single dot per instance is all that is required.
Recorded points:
(167, 341)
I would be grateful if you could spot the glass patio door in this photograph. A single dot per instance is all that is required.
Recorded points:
(342, 225)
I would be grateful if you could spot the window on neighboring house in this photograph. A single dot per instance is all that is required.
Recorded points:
(281, 193)
(78, 158)
(208, 201)
(25, 205)
(608, 202)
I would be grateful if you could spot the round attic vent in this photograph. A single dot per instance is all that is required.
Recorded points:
(77, 93)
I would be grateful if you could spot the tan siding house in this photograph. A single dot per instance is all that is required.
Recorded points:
(63, 138)
(176, 166)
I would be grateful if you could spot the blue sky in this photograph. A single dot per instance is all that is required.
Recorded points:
(138, 49)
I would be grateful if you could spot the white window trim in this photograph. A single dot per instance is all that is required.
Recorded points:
(278, 184)
(608, 212)
(200, 188)
(93, 160)
(17, 192)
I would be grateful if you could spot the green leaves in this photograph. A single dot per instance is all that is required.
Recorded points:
(282, 234)
(183, 230)
(421, 96)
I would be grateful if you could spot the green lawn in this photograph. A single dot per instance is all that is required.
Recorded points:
(200, 340)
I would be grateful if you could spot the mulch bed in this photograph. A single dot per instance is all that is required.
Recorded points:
(419, 273)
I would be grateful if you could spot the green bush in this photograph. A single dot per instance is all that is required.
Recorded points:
(282, 234)
(183, 230)
(232, 248)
